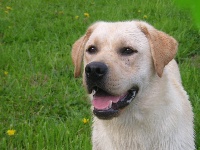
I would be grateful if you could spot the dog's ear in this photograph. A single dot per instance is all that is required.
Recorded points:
(163, 46)
(78, 50)
(77, 55)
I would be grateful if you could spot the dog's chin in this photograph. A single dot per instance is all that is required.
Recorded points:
(107, 106)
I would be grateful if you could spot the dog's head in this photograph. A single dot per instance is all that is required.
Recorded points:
(118, 59)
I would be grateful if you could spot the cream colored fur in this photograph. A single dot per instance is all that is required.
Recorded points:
(160, 117)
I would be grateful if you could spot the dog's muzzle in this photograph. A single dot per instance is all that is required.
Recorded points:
(106, 105)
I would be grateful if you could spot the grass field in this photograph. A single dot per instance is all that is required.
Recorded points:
(40, 101)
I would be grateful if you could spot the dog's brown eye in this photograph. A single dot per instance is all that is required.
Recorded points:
(126, 51)
(92, 50)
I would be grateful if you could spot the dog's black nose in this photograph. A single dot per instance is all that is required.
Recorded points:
(95, 70)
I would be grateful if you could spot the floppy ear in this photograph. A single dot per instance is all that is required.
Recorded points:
(163, 46)
(77, 55)
(78, 51)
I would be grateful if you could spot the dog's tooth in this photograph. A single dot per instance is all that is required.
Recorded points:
(134, 93)
(110, 105)
(93, 92)
(129, 101)
(132, 97)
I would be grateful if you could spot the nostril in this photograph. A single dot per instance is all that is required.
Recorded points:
(87, 69)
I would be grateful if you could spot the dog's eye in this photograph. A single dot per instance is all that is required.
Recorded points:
(92, 50)
(126, 51)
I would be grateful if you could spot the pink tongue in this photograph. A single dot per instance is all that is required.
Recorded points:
(102, 102)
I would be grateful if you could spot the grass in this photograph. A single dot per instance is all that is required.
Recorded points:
(39, 97)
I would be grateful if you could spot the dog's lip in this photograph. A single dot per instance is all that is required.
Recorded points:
(107, 106)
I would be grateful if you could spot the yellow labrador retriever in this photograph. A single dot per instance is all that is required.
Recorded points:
(137, 97)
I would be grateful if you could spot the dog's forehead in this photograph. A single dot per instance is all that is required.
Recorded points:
(117, 34)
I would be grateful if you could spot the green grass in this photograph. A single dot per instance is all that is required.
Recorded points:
(39, 97)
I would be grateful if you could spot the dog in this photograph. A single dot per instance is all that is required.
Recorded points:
(134, 83)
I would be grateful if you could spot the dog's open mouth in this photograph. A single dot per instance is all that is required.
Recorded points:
(107, 106)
